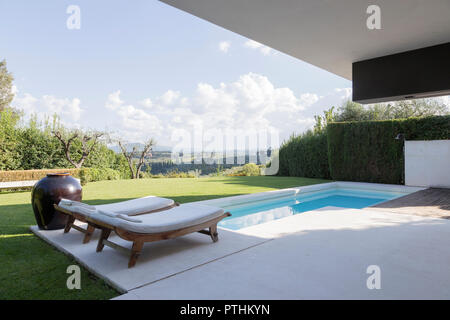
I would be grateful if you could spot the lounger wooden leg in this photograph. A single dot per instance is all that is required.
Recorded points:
(90, 230)
(69, 224)
(213, 233)
(135, 253)
(104, 236)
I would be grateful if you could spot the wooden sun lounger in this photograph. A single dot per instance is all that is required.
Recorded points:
(91, 226)
(107, 224)
(138, 239)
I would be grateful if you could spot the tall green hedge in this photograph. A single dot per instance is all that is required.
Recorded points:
(368, 151)
(305, 156)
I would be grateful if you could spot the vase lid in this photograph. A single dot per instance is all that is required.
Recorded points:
(58, 174)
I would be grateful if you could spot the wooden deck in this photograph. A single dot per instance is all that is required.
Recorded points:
(432, 202)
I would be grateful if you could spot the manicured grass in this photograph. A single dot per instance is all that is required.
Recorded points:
(32, 269)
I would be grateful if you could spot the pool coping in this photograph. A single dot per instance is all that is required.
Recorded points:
(266, 195)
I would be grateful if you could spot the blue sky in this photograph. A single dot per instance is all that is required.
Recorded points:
(145, 68)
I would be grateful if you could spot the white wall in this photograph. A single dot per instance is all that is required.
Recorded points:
(427, 163)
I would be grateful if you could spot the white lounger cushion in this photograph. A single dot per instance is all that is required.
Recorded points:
(183, 216)
(129, 207)
(77, 207)
(137, 206)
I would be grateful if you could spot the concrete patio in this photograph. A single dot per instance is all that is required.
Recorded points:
(321, 254)
(157, 261)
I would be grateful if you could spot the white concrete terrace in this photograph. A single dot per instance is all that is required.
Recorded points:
(323, 254)
(320, 254)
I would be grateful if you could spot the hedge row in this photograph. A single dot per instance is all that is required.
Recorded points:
(305, 156)
(368, 151)
(94, 174)
(84, 174)
(27, 175)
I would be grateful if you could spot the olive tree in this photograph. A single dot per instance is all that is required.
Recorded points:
(88, 141)
(136, 155)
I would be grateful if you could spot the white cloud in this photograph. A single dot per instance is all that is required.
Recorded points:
(136, 119)
(27, 103)
(113, 102)
(169, 97)
(224, 46)
(250, 103)
(334, 98)
(69, 110)
(129, 122)
(147, 103)
(309, 98)
(265, 50)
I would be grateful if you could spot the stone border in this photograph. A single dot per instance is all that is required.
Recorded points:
(236, 200)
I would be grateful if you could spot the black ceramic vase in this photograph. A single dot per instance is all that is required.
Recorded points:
(49, 191)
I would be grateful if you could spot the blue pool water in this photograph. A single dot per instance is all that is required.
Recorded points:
(257, 212)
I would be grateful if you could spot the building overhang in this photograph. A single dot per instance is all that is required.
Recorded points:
(332, 34)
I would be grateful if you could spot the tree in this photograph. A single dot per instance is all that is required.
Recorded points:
(88, 142)
(38, 147)
(322, 121)
(352, 111)
(6, 93)
(136, 153)
(9, 139)
(416, 108)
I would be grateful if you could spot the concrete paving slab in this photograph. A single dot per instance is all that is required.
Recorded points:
(157, 261)
(324, 255)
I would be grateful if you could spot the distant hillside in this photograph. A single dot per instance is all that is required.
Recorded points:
(130, 147)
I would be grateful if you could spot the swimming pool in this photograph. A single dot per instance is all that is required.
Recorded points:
(260, 211)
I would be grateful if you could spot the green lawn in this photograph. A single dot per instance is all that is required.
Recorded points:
(32, 269)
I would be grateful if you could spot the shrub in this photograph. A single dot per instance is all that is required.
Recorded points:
(83, 177)
(368, 151)
(305, 156)
(177, 174)
(145, 175)
(157, 176)
(251, 169)
(30, 145)
(27, 175)
(98, 174)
